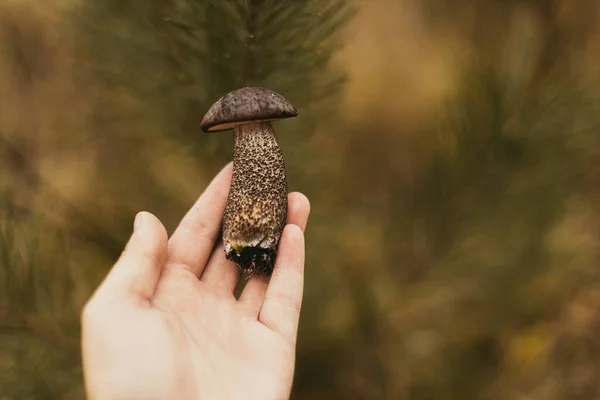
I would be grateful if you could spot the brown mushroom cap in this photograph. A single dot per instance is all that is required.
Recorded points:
(246, 105)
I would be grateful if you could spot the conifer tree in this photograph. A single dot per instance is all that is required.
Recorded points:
(438, 264)
(149, 69)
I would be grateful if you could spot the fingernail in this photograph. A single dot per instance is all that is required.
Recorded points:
(139, 221)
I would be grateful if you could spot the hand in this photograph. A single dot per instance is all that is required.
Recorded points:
(165, 323)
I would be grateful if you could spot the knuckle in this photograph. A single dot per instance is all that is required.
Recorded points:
(206, 231)
(149, 256)
(202, 228)
(284, 303)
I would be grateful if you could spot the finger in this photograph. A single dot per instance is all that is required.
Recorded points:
(253, 295)
(281, 309)
(192, 242)
(298, 210)
(137, 271)
(221, 273)
(225, 274)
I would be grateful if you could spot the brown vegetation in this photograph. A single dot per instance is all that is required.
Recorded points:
(453, 243)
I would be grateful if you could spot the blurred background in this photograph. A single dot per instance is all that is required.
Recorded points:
(450, 150)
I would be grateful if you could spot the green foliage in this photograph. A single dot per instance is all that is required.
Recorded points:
(451, 255)
(39, 309)
(259, 42)
(146, 71)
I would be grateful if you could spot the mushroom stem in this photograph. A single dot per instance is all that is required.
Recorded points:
(256, 208)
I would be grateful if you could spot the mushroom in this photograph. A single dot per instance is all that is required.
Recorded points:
(256, 209)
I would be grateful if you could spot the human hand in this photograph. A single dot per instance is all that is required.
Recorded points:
(165, 323)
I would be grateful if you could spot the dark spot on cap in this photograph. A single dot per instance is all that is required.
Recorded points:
(246, 105)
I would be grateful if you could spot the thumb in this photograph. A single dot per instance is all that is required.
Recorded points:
(137, 271)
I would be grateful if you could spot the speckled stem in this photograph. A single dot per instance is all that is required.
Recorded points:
(256, 209)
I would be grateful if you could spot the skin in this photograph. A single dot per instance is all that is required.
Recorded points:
(164, 324)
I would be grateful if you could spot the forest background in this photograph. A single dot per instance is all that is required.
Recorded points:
(450, 150)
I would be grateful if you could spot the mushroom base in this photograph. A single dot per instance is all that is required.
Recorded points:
(253, 260)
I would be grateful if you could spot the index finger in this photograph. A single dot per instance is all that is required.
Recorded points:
(192, 242)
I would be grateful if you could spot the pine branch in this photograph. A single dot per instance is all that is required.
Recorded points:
(276, 43)
(249, 63)
(87, 227)
(38, 327)
(35, 286)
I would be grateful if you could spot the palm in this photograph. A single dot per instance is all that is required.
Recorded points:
(190, 337)
(231, 343)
